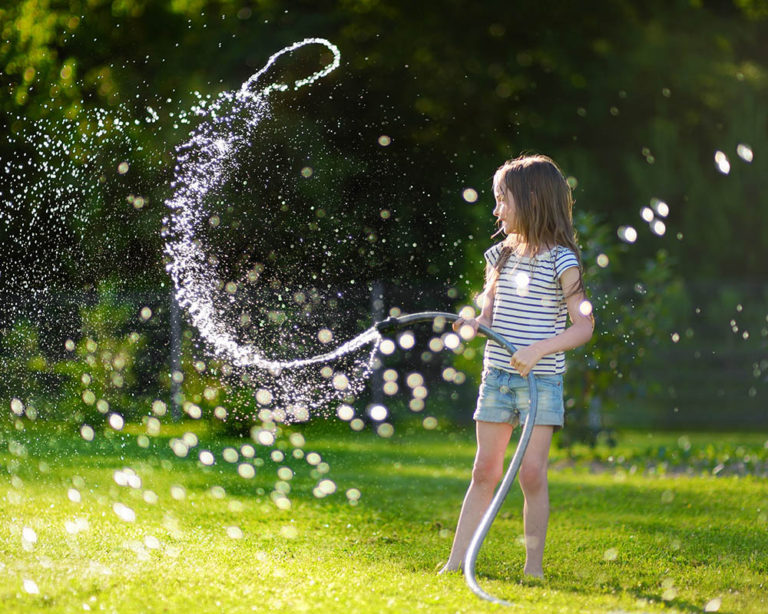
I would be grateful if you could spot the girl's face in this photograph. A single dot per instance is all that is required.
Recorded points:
(505, 210)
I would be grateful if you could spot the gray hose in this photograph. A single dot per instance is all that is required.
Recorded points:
(470, 558)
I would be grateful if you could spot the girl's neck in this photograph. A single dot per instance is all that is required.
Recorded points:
(525, 250)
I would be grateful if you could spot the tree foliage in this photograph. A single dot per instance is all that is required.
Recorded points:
(634, 100)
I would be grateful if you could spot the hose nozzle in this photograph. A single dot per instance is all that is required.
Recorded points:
(387, 325)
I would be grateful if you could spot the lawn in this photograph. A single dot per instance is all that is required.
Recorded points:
(660, 523)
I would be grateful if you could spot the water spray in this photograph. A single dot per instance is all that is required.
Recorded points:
(203, 164)
(470, 559)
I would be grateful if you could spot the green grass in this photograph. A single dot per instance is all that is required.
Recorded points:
(646, 526)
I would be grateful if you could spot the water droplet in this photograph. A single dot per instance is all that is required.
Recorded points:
(658, 227)
(246, 470)
(345, 412)
(390, 388)
(289, 532)
(611, 554)
(744, 152)
(406, 340)
(585, 308)
(116, 421)
(387, 346)
(29, 535)
(353, 495)
(436, 344)
(327, 487)
(713, 605)
(378, 412)
(340, 381)
(627, 234)
(124, 512)
(416, 405)
(263, 396)
(660, 207)
(17, 407)
(722, 163)
(469, 195)
(429, 423)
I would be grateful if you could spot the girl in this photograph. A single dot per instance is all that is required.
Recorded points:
(533, 281)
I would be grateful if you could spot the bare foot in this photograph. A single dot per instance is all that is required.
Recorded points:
(532, 577)
(448, 568)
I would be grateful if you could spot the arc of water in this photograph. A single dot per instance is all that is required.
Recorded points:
(246, 88)
(201, 166)
(514, 466)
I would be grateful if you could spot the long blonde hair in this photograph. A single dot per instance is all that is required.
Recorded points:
(543, 211)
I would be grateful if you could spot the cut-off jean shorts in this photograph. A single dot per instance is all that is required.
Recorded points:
(504, 397)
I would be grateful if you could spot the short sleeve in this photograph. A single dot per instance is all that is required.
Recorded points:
(564, 259)
(492, 254)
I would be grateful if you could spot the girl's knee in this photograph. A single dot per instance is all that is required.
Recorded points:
(533, 476)
(486, 472)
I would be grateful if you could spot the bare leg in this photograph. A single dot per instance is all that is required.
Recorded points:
(533, 481)
(492, 440)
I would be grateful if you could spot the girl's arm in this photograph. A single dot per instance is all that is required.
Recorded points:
(486, 313)
(577, 334)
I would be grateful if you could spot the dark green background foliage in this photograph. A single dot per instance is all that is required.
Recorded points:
(633, 99)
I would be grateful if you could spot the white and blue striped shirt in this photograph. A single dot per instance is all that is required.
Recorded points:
(529, 305)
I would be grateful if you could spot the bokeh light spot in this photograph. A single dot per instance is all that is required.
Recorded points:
(406, 340)
(627, 234)
(722, 163)
(745, 152)
(345, 412)
(378, 412)
(116, 421)
(469, 195)
(585, 308)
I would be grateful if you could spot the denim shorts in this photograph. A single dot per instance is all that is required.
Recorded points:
(504, 397)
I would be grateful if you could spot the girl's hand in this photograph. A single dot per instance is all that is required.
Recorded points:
(525, 359)
(459, 324)
(474, 323)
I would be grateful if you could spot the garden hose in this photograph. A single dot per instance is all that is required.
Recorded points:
(470, 559)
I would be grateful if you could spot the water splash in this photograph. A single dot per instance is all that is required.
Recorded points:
(205, 162)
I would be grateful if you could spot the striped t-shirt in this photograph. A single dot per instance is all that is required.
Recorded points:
(529, 305)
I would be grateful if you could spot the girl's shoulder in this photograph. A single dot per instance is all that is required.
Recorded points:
(492, 253)
(564, 258)
(562, 251)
